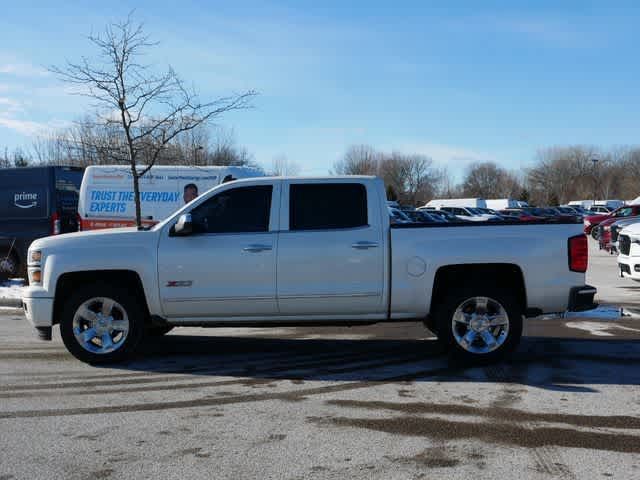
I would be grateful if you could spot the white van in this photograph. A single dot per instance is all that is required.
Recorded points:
(458, 202)
(106, 194)
(608, 205)
(502, 203)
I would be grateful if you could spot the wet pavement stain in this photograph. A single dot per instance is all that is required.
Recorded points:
(501, 413)
(505, 434)
(434, 457)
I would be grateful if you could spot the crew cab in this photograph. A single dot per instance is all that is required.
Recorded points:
(303, 251)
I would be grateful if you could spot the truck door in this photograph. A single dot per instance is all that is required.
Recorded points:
(227, 266)
(331, 249)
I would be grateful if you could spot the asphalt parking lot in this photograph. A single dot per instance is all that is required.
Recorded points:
(367, 402)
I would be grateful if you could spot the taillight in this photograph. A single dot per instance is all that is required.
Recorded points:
(578, 254)
(79, 221)
(56, 225)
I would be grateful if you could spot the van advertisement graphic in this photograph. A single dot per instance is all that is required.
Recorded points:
(26, 202)
(159, 196)
(107, 198)
(25, 199)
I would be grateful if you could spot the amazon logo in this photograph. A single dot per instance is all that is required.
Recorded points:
(25, 200)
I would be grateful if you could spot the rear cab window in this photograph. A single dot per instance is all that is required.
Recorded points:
(327, 206)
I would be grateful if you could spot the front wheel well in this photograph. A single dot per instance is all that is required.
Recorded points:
(122, 278)
(502, 275)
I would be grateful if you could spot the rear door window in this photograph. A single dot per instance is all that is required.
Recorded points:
(324, 206)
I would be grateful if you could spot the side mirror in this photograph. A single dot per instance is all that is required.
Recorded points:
(183, 226)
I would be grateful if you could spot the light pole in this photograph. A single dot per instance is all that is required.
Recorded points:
(198, 148)
(595, 179)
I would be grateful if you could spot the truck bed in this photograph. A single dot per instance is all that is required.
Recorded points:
(537, 249)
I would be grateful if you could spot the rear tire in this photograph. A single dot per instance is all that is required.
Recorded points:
(102, 323)
(479, 324)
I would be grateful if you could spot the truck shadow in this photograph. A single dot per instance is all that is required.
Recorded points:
(561, 364)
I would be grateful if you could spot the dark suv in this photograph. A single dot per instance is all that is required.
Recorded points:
(35, 202)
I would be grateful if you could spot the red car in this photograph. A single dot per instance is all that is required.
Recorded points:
(592, 221)
(604, 233)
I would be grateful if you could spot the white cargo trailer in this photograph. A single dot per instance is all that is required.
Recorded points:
(458, 202)
(502, 203)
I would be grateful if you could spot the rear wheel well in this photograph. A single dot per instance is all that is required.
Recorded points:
(122, 278)
(503, 275)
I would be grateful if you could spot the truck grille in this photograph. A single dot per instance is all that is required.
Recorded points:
(614, 233)
(624, 243)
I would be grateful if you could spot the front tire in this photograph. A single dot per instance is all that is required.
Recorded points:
(595, 233)
(479, 324)
(102, 324)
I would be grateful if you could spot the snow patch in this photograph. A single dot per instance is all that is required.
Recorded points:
(12, 288)
(595, 329)
(604, 312)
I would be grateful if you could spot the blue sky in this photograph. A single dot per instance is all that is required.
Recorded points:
(458, 81)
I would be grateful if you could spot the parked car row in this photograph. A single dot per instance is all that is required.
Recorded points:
(444, 213)
(618, 232)
(593, 223)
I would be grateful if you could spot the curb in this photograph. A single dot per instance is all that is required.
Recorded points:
(11, 302)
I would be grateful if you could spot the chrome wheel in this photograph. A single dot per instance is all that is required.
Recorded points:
(480, 325)
(100, 325)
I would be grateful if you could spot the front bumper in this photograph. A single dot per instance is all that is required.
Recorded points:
(629, 267)
(581, 298)
(38, 310)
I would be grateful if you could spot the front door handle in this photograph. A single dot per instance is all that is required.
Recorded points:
(364, 245)
(256, 248)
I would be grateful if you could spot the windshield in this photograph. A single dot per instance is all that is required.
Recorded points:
(623, 212)
(475, 211)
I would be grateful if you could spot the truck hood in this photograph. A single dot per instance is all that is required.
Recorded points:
(608, 221)
(112, 237)
(633, 229)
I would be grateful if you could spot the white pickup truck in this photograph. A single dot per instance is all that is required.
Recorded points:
(303, 251)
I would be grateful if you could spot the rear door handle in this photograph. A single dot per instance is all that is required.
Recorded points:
(364, 245)
(256, 248)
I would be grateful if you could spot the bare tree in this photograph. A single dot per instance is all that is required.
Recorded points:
(148, 110)
(488, 180)
(17, 158)
(282, 166)
(358, 160)
(564, 173)
(411, 177)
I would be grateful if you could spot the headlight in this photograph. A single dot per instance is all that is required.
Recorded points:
(34, 269)
(587, 222)
(606, 229)
(35, 256)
